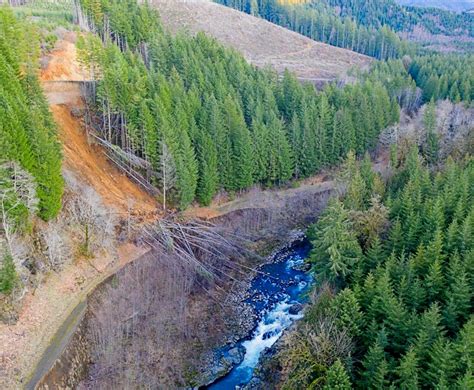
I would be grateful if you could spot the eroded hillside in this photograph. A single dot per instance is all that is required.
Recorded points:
(60, 78)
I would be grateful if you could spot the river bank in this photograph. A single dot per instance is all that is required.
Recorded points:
(265, 228)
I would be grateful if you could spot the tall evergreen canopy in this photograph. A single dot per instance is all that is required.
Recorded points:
(27, 132)
(227, 124)
(403, 293)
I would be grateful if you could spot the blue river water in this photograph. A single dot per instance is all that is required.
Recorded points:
(275, 298)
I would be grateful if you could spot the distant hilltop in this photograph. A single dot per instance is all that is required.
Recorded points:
(452, 5)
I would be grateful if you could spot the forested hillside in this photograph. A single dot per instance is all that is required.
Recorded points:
(444, 76)
(395, 267)
(378, 294)
(368, 30)
(28, 134)
(452, 5)
(366, 27)
(30, 158)
(319, 21)
(262, 43)
(203, 119)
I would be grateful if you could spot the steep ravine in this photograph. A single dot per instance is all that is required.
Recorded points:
(187, 331)
(230, 342)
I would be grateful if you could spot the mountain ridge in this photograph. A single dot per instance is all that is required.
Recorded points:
(451, 5)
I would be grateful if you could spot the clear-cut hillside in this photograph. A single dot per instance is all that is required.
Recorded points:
(262, 43)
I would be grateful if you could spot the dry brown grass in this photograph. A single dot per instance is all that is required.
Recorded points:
(262, 43)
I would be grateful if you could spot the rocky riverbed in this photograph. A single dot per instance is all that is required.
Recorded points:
(274, 300)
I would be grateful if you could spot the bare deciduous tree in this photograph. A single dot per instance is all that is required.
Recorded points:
(57, 246)
(17, 189)
(95, 221)
(167, 171)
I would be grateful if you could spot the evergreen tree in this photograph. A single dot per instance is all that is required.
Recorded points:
(208, 176)
(281, 158)
(241, 146)
(337, 378)
(434, 282)
(431, 88)
(27, 131)
(8, 275)
(336, 250)
(375, 254)
(396, 240)
(347, 312)
(375, 367)
(441, 364)
(408, 371)
(458, 295)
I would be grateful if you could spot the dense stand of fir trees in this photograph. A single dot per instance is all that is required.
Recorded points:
(225, 124)
(378, 13)
(30, 158)
(368, 28)
(395, 78)
(27, 131)
(398, 312)
(444, 76)
(439, 21)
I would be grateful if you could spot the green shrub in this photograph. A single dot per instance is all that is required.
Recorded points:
(8, 275)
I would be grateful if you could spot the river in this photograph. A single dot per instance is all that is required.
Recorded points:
(277, 295)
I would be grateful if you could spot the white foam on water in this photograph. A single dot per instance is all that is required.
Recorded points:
(302, 285)
(294, 261)
(276, 321)
(269, 329)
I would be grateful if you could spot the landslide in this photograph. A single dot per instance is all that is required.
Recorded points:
(91, 166)
(60, 78)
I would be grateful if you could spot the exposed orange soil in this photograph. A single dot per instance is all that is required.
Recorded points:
(62, 64)
(92, 166)
(44, 310)
(87, 161)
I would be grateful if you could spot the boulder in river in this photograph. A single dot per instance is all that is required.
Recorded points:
(303, 266)
(234, 355)
(295, 309)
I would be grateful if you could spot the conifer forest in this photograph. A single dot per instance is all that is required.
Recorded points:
(177, 212)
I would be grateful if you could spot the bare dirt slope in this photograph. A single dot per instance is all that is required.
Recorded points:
(62, 63)
(87, 161)
(91, 166)
(261, 42)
